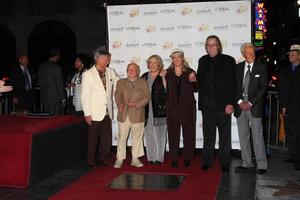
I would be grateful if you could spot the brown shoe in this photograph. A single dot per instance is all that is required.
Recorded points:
(118, 164)
(136, 163)
(106, 164)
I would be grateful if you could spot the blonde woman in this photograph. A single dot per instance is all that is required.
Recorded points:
(181, 107)
(155, 129)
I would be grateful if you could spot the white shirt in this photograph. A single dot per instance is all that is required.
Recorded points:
(246, 68)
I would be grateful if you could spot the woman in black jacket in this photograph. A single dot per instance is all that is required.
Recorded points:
(155, 130)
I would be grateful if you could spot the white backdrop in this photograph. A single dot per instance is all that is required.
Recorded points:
(138, 31)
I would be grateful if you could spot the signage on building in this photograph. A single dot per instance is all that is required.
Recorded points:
(260, 23)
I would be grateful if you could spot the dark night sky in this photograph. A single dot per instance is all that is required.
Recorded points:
(283, 22)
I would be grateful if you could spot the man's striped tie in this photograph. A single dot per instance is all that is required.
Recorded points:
(246, 83)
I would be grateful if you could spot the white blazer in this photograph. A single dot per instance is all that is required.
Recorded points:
(94, 98)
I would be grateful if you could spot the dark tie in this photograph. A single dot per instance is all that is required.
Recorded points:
(26, 78)
(246, 83)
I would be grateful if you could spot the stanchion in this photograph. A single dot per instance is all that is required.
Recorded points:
(269, 120)
(6, 111)
(273, 132)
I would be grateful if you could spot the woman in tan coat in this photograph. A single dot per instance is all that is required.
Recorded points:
(132, 95)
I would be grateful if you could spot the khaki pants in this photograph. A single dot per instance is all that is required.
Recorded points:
(137, 133)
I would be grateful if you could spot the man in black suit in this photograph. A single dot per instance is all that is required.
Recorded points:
(51, 83)
(297, 119)
(252, 82)
(216, 79)
(289, 100)
(23, 80)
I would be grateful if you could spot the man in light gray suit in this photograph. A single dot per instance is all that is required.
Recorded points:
(251, 87)
(51, 84)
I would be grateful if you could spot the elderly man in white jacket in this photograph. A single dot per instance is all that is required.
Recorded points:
(97, 103)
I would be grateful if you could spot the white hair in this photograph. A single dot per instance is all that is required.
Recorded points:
(137, 67)
(100, 52)
(246, 45)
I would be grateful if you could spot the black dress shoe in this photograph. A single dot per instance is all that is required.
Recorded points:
(187, 163)
(108, 164)
(289, 160)
(243, 169)
(205, 167)
(175, 164)
(157, 163)
(105, 163)
(92, 167)
(297, 168)
(150, 162)
(225, 169)
(261, 171)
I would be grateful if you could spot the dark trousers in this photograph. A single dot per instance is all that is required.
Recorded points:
(71, 111)
(99, 141)
(189, 136)
(212, 119)
(297, 145)
(26, 101)
(289, 126)
(54, 108)
(292, 131)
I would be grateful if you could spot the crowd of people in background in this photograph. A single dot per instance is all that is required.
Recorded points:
(161, 103)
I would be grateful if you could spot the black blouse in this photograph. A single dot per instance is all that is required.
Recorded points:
(158, 97)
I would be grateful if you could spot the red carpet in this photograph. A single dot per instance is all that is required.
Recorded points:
(198, 184)
(15, 145)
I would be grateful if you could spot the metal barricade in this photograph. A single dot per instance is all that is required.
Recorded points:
(272, 122)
